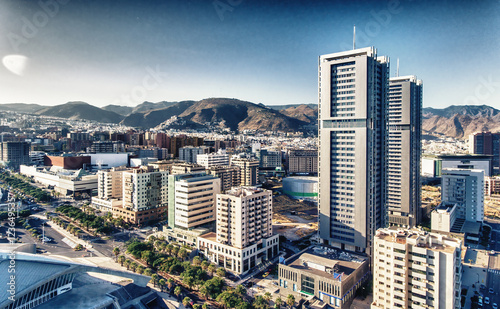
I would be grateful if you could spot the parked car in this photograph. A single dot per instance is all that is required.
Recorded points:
(491, 291)
(487, 300)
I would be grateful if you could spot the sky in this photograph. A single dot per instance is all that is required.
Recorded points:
(126, 52)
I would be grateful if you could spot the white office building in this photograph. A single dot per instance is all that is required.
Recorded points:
(220, 158)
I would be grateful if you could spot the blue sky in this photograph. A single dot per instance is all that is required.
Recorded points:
(125, 52)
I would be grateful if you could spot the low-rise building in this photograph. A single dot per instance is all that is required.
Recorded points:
(213, 159)
(66, 182)
(324, 273)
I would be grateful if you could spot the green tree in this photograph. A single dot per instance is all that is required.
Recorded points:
(116, 252)
(133, 266)
(127, 263)
(260, 303)
(186, 301)
(169, 249)
(182, 254)
(240, 290)
(177, 291)
(278, 302)
(244, 305)
(154, 278)
(121, 259)
(221, 272)
(196, 261)
(204, 292)
(162, 284)
(290, 300)
(211, 269)
(148, 272)
(196, 306)
(170, 283)
(204, 306)
(267, 297)
(204, 265)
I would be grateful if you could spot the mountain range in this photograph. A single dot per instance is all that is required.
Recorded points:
(455, 121)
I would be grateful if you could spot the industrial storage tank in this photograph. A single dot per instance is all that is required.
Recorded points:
(301, 187)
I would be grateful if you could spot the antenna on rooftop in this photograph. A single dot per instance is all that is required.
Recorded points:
(397, 70)
(354, 38)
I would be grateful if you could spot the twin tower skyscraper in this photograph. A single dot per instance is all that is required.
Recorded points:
(369, 148)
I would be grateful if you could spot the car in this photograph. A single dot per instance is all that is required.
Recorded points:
(491, 291)
(487, 300)
(480, 302)
(265, 275)
(494, 306)
(483, 286)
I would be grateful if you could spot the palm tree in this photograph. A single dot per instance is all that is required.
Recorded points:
(169, 249)
(204, 306)
(148, 272)
(221, 272)
(240, 290)
(204, 265)
(162, 283)
(154, 278)
(170, 283)
(267, 297)
(278, 302)
(177, 291)
(204, 292)
(121, 259)
(139, 269)
(211, 269)
(116, 251)
(186, 301)
(290, 300)
(133, 266)
(127, 263)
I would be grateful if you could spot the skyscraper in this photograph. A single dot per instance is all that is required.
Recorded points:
(486, 143)
(403, 151)
(353, 86)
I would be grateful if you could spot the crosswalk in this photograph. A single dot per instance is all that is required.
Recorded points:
(69, 242)
(494, 271)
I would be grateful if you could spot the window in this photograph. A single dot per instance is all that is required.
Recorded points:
(307, 284)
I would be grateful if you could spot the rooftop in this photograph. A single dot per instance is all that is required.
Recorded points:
(327, 262)
(244, 191)
(419, 238)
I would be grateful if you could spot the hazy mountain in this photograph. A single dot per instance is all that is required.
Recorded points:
(21, 107)
(460, 121)
(303, 112)
(221, 112)
(152, 118)
(81, 110)
(287, 106)
(121, 110)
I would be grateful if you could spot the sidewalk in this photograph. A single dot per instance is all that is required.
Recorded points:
(70, 236)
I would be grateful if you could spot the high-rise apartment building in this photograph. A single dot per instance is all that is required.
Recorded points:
(404, 126)
(486, 143)
(303, 161)
(244, 237)
(110, 183)
(249, 170)
(213, 159)
(416, 269)
(230, 176)
(106, 147)
(15, 154)
(353, 88)
(466, 189)
(145, 195)
(192, 200)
